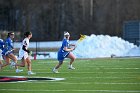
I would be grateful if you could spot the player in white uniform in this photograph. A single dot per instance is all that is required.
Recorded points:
(24, 53)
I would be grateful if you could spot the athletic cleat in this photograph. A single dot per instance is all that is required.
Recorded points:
(55, 70)
(31, 73)
(18, 70)
(71, 67)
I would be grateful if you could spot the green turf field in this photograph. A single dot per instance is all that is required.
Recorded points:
(117, 75)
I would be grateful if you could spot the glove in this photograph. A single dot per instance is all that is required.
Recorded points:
(30, 53)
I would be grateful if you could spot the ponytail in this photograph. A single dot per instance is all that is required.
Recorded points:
(26, 34)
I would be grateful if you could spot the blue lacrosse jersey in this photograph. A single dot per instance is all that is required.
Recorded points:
(1, 44)
(8, 46)
(62, 53)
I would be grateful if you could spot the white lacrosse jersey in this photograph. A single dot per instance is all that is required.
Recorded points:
(23, 53)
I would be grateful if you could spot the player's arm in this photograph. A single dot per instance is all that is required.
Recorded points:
(73, 45)
(68, 49)
(24, 48)
(10, 44)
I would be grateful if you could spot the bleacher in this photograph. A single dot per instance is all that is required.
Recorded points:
(131, 32)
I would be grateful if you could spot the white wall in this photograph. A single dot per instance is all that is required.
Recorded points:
(50, 44)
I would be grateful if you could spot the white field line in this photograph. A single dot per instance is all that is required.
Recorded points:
(102, 68)
(94, 68)
(41, 82)
(66, 83)
(121, 68)
(108, 67)
(91, 72)
(70, 83)
(91, 64)
(111, 72)
(117, 83)
(104, 77)
(117, 91)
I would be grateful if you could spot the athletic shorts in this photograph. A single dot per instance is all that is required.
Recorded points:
(6, 52)
(23, 54)
(61, 56)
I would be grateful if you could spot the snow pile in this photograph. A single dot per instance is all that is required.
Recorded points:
(104, 46)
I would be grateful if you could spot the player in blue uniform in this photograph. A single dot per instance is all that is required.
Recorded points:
(8, 51)
(1, 44)
(65, 52)
(1, 48)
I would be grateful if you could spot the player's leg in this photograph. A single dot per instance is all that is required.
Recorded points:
(22, 64)
(1, 64)
(29, 66)
(7, 61)
(60, 58)
(72, 59)
(12, 56)
(22, 57)
(1, 59)
(58, 65)
(55, 69)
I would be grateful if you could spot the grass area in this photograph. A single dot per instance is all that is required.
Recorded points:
(120, 75)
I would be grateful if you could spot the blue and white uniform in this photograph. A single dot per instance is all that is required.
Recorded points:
(1, 47)
(1, 44)
(8, 46)
(62, 54)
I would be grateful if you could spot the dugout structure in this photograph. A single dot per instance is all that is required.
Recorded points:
(131, 32)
